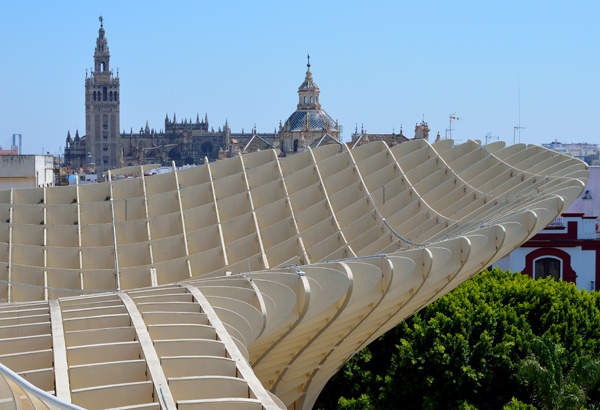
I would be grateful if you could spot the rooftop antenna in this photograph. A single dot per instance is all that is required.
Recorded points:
(518, 127)
(489, 137)
(453, 117)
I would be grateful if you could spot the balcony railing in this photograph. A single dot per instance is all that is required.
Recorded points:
(18, 394)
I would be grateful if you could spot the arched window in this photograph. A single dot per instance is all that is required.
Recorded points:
(206, 148)
(110, 96)
(104, 93)
(566, 272)
(545, 267)
(296, 144)
(304, 100)
(102, 66)
(94, 95)
(115, 96)
(311, 100)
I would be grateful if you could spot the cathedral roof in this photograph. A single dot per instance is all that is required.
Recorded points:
(310, 120)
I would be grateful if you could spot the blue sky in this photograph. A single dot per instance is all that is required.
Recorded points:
(382, 64)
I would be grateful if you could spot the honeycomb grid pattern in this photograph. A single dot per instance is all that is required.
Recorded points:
(247, 283)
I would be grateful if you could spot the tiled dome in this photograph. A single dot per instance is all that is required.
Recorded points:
(309, 120)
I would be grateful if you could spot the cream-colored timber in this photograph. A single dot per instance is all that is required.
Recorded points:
(242, 365)
(45, 244)
(216, 208)
(224, 267)
(337, 311)
(59, 348)
(182, 216)
(372, 299)
(79, 242)
(161, 387)
(342, 243)
(302, 250)
(153, 279)
(10, 248)
(114, 231)
(300, 309)
(263, 256)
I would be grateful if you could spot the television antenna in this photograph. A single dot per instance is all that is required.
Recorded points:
(452, 117)
(518, 127)
(489, 137)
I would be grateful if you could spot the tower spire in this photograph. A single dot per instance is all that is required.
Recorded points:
(102, 107)
(308, 91)
(101, 54)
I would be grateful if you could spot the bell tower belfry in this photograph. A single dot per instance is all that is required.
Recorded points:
(102, 112)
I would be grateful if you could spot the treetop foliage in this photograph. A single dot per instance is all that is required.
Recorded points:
(464, 351)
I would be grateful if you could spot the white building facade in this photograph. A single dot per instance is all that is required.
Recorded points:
(26, 171)
(568, 250)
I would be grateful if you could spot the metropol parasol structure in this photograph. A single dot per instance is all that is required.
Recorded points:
(248, 282)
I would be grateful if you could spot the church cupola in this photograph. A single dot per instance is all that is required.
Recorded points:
(308, 91)
(309, 123)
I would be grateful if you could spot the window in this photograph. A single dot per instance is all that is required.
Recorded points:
(102, 66)
(110, 95)
(311, 100)
(94, 95)
(545, 267)
(304, 100)
(104, 93)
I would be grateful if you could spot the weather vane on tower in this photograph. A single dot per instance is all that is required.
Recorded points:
(101, 21)
(308, 56)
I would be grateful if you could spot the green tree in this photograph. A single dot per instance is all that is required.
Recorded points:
(467, 347)
(515, 404)
(552, 389)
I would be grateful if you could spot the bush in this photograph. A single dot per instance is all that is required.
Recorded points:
(466, 348)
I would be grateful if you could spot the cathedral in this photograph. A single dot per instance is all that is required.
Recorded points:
(186, 141)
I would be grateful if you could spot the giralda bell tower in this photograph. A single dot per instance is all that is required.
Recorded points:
(102, 95)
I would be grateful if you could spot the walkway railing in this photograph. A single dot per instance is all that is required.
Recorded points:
(18, 394)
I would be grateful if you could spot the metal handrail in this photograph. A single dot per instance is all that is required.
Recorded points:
(30, 391)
